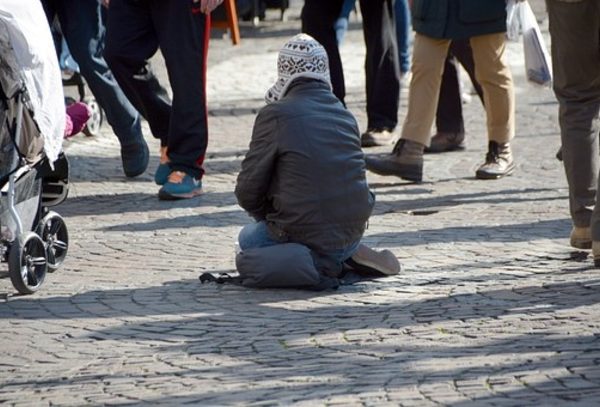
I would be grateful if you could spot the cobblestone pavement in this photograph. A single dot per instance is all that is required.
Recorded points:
(493, 307)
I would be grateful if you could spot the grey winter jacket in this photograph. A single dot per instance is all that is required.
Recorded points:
(305, 172)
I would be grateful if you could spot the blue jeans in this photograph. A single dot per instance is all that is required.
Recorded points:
(403, 28)
(82, 25)
(257, 235)
(341, 24)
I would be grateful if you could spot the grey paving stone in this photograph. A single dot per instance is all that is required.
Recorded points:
(492, 308)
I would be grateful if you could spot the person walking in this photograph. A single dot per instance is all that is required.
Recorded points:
(83, 28)
(381, 63)
(136, 30)
(449, 121)
(437, 23)
(575, 32)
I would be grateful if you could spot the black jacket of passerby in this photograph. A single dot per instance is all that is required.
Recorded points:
(458, 19)
(304, 172)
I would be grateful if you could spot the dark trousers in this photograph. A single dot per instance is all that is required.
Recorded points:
(82, 27)
(449, 115)
(381, 64)
(136, 29)
(575, 32)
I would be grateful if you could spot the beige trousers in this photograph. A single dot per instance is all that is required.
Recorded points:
(491, 71)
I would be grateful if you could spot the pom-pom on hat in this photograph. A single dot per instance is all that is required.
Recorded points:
(301, 57)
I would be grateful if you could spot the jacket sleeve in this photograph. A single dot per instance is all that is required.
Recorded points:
(254, 179)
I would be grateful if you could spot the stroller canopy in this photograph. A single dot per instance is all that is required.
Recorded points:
(28, 57)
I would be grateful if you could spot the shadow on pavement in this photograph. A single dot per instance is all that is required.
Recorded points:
(139, 202)
(102, 169)
(518, 232)
(239, 336)
(210, 220)
(215, 302)
(492, 197)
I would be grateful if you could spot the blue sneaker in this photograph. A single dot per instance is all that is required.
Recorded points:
(180, 185)
(162, 174)
(135, 158)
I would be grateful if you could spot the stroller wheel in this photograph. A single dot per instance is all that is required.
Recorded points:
(53, 231)
(27, 263)
(92, 128)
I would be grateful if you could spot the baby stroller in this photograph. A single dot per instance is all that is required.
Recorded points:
(33, 172)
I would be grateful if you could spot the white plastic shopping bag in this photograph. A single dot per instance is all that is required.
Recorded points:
(537, 59)
(513, 23)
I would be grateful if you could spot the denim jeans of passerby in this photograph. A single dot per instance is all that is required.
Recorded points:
(403, 28)
(257, 235)
(82, 26)
(341, 24)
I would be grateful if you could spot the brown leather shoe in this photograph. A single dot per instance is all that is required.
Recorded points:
(581, 237)
(596, 253)
(376, 137)
(445, 141)
(498, 162)
(405, 161)
(559, 155)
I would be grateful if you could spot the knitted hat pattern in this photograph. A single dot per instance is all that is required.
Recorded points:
(301, 57)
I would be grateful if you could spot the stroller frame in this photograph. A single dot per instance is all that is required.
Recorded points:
(13, 176)
(31, 252)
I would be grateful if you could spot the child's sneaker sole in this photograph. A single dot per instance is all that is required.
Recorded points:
(166, 196)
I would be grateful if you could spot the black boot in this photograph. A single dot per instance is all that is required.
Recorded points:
(405, 161)
(135, 158)
(446, 141)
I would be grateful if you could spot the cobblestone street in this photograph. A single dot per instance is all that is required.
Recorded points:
(493, 307)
